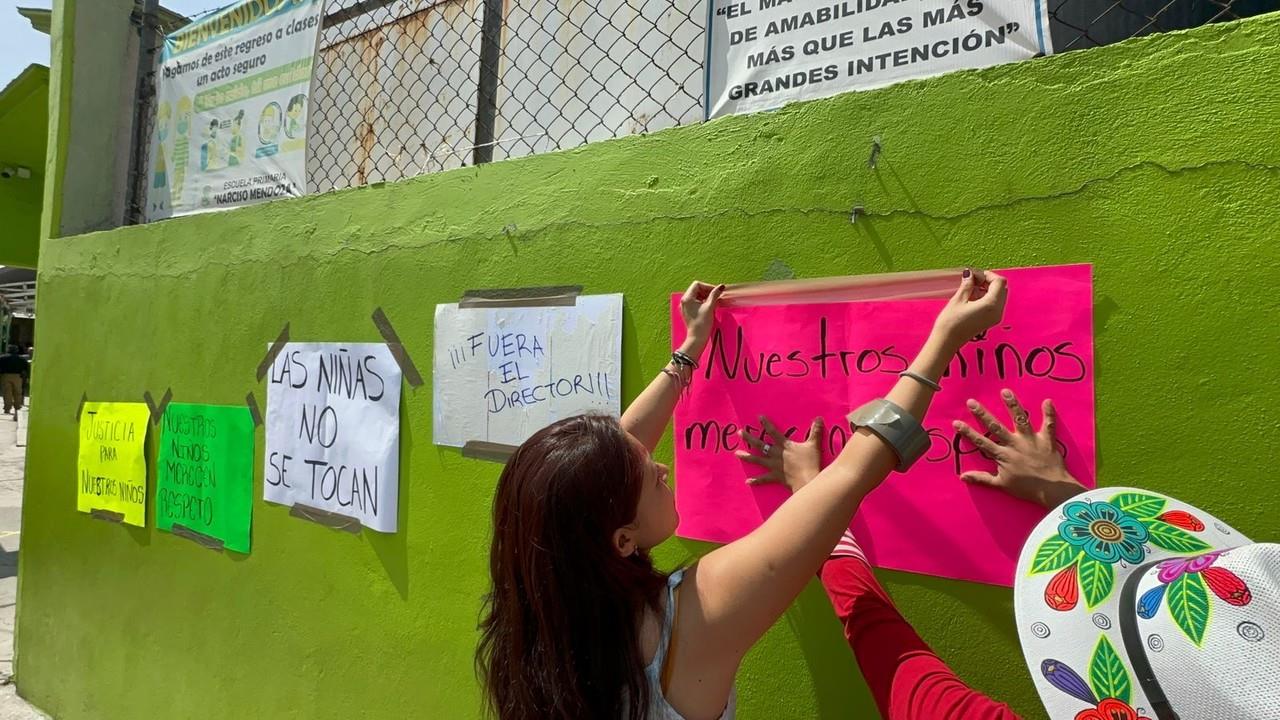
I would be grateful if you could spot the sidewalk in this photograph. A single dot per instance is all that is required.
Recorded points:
(13, 451)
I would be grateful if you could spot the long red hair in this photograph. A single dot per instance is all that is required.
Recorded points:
(560, 636)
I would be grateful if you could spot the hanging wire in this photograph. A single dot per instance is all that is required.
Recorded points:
(201, 13)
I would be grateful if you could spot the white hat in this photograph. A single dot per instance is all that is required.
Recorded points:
(1132, 605)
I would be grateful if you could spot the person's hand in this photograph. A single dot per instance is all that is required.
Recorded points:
(974, 308)
(1028, 465)
(698, 308)
(788, 462)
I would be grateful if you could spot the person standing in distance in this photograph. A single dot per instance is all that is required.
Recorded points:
(13, 372)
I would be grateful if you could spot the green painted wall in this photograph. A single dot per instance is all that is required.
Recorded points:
(24, 124)
(20, 218)
(1157, 160)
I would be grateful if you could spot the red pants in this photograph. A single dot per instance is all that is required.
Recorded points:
(908, 681)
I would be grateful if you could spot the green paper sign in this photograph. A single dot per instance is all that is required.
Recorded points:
(205, 472)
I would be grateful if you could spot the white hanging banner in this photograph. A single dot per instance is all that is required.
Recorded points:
(762, 54)
(231, 108)
(333, 431)
(502, 374)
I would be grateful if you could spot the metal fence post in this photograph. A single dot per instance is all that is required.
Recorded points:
(487, 83)
(144, 101)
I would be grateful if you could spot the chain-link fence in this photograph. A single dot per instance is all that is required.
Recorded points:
(405, 87)
(1078, 24)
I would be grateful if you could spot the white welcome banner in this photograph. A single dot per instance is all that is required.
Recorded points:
(231, 108)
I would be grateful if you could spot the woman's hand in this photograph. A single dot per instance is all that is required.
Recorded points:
(975, 308)
(698, 308)
(788, 462)
(647, 416)
(1028, 465)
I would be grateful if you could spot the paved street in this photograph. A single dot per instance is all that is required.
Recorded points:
(12, 458)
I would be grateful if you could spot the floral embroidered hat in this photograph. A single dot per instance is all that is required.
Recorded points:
(1134, 606)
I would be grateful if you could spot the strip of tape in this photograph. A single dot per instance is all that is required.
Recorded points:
(199, 538)
(108, 515)
(547, 296)
(84, 398)
(490, 451)
(252, 402)
(407, 368)
(157, 410)
(273, 351)
(884, 286)
(324, 517)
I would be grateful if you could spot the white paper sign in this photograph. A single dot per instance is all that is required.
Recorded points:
(502, 374)
(765, 53)
(333, 431)
(232, 93)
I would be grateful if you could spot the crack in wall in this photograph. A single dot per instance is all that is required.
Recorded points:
(322, 254)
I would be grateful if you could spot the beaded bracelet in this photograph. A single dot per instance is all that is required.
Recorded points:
(675, 375)
(680, 358)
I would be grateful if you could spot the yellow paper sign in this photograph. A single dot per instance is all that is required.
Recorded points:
(113, 466)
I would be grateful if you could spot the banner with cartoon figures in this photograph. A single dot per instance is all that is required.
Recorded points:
(231, 108)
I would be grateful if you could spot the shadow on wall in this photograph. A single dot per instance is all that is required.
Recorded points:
(991, 603)
(8, 563)
(1104, 308)
(896, 198)
(900, 189)
(837, 684)
(391, 548)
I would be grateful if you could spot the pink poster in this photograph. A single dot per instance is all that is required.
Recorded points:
(795, 362)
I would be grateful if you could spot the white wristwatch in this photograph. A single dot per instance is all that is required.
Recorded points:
(895, 426)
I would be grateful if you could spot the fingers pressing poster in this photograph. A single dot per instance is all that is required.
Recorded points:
(502, 374)
(333, 431)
